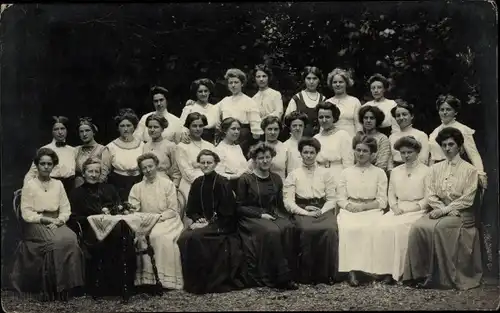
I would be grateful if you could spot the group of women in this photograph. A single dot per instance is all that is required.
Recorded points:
(354, 189)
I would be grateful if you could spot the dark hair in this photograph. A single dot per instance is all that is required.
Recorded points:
(379, 78)
(226, 123)
(160, 119)
(210, 153)
(87, 121)
(346, 76)
(400, 103)
(360, 138)
(296, 115)
(89, 161)
(379, 115)
(158, 90)
(311, 70)
(268, 120)
(46, 152)
(127, 114)
(451, 100)
(146, 156)
(311, 142)
(329, 106)
(193, 116)
(60, 119)
(263, 68)
(409, 142)
(236, 73)
(261, 147)
(200, 82)
(450, 132)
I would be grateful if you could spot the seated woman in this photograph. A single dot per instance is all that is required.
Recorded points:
(371, 117)
(92, 198)
(362, 195)
(443, 246)
(408, 202)
(48, 261)
(210, 249)
(156, 194)
(309, 194)
(265, 230)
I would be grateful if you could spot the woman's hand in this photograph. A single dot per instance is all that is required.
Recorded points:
(185, 138)
(58, 222)
(454, 213)
(201, 220)
(316, 213)
(190, 102)
(167, 215)
(435, 214)
(396, 210)
(311, 208)
(267, 217)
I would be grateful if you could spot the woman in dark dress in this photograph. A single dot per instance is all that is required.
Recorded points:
(310, 196)
(265, 228)
(105, 260)
(210, 249)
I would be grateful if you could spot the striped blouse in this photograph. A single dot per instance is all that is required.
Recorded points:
(383, 154)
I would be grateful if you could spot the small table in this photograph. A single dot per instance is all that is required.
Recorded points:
(141, 224)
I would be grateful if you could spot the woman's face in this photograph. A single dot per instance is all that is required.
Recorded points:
(408, 154)
(271, 132)
(207, 164)
(308, 155)
(59, 132)
(403, 117)
(148, 168)
(160, 102)
(377, 89)
(450, 148)
(339, 85)
(154, 129)
(369, 121)
(86, 133)
(203, 93)
(312, 82)
(325, 118)
(234, 84)
(45, 166)
(196, 129)
(447, 113)
(263, 161)
(92, 173)
(262, 79)
(233, 132)
(126, 128)
(362, 153)
(297, 128)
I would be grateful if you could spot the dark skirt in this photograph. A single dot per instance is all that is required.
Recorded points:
(68, 183)
(208, 135)
(246, 139)
(268, 250)
(212, 260)
(385, 130)
(123, 184)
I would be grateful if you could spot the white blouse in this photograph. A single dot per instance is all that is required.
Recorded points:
(386, 106)
(173, 132)
(165, 151)
(293, 157)
(362, 183)
(336, 148)
(242, 108)
(186, 155)
(210, 111)
(270, 102)
(155, 197)
(66, 166)
(35, 200)
(232, 160)
(349, 108)
(124, 156)
(408, 186)
(420, 136)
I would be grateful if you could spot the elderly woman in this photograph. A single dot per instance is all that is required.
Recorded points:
(371, 117)
(378, 86)
(163, 148)
(403, 113)
(240, 107)
(408, 202)
(93, 198)
(309, 194)
(124, 152)
(443, 246)
(265, 229)
(269, 100)
(212, 237)
(448, 108)
(362, 195)
(65, 169)
(307, 99)
(338, 80)
(48, 260)
(295, 122)
(90, 149)
(156, 194)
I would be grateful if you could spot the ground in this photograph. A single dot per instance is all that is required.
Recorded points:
(340, 297)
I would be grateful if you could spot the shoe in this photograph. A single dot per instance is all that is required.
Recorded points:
(388, 280)
(290, 285)
(352, 280)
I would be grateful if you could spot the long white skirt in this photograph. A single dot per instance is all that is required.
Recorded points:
(355, 246)
(390, 243)
(167, 256)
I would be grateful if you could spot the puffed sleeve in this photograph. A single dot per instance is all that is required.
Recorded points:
(357, 105)
(383, 153)
(253, 116)
(292, 106)
(27, 205)
(32, 173)
(64, 206)
(278, 105)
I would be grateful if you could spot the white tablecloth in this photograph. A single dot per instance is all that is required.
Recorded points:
(140, 223)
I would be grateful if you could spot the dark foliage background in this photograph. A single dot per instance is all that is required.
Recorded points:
(93, 59)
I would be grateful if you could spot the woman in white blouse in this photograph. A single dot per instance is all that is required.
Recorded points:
(338, 80)
(269, 100)
(156, 194)
(448, 108)
(403, 113)
(362, 197)
(378, 86)
(124, 152)
(295, 122)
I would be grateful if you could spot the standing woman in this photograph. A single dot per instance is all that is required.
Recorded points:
(371, 117)
(48, 260)
(295, 122)
(310, 196)
(448, 108)
(307, 100)
(242, 108)
(443, 246)
(265, 229)
(90, 149)
(338, 80)
(269, 100)
(65, 169)
(163, 148)
(124, 152)
(378, 86)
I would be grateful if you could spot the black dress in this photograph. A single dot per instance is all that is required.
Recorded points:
(267, 245)
(211, 256)
(115, 252)
(312, 128)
